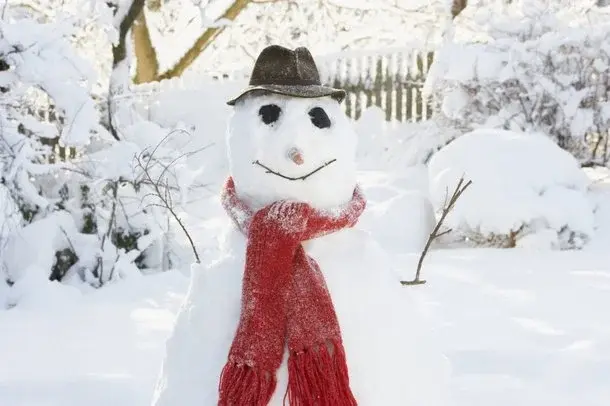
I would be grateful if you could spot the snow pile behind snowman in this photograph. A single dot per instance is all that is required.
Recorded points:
(525, 191)
(304, 149)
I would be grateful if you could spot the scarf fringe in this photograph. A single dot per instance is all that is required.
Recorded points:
(318, 377)
(241, 385)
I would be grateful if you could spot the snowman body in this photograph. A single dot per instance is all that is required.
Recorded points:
(391, 356)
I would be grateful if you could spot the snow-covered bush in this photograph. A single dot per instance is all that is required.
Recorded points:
(122, 196)
(113, 214)
(525, 190)
(39, 73)
(105, 214)
(530, 66)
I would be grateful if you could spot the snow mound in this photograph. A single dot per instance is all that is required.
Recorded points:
(521, 184)
(399, 213)
(395, 145)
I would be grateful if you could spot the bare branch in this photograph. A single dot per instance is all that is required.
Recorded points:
(204, 41)
(161, 191)
(459, 189)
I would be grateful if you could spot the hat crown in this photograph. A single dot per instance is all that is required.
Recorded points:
(277, 65)
(291, 73)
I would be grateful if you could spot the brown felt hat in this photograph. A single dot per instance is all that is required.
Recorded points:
(292, 73)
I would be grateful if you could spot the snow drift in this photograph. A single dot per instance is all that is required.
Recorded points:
(522, 185)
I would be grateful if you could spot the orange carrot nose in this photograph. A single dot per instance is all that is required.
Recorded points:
(296, 156)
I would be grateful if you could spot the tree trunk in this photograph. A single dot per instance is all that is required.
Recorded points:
(154, 5)
(119, 51)
(204, 41)
(119, 54)
(147, 65)
(457, 7)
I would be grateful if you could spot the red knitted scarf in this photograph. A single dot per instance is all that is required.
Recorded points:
(285, 301)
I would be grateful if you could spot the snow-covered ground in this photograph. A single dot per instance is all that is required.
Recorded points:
(521, 327)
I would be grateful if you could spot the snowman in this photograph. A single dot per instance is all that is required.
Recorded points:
(301, 307)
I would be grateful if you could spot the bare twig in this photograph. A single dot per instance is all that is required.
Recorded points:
(459, 189)
(162, 192)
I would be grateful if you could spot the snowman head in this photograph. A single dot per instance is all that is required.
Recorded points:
(291, 142)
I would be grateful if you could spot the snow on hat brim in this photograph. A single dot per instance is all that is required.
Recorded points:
(308, 92)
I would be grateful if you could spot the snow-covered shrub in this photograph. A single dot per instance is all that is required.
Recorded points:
(112, 217)
(103, 215)
(529, 66)
(122, 196)
(38, 72)
(525, 190)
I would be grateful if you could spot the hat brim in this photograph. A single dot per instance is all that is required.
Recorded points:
(306, 92)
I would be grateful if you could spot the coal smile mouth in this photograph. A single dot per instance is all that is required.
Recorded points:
(307, 175)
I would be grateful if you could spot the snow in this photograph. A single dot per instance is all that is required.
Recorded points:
(98, 348)
(519, 327)
(390, 198)
(394, 146)
(18, 253)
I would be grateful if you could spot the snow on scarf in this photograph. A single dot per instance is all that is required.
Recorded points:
(285, 301)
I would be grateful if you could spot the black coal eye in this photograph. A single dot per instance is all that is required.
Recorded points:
(269, 113)
(319, 118)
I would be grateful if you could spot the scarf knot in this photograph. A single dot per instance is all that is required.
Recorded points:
(285, 301)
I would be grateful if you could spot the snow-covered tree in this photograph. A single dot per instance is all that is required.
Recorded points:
(530, 65)
(220, 36)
